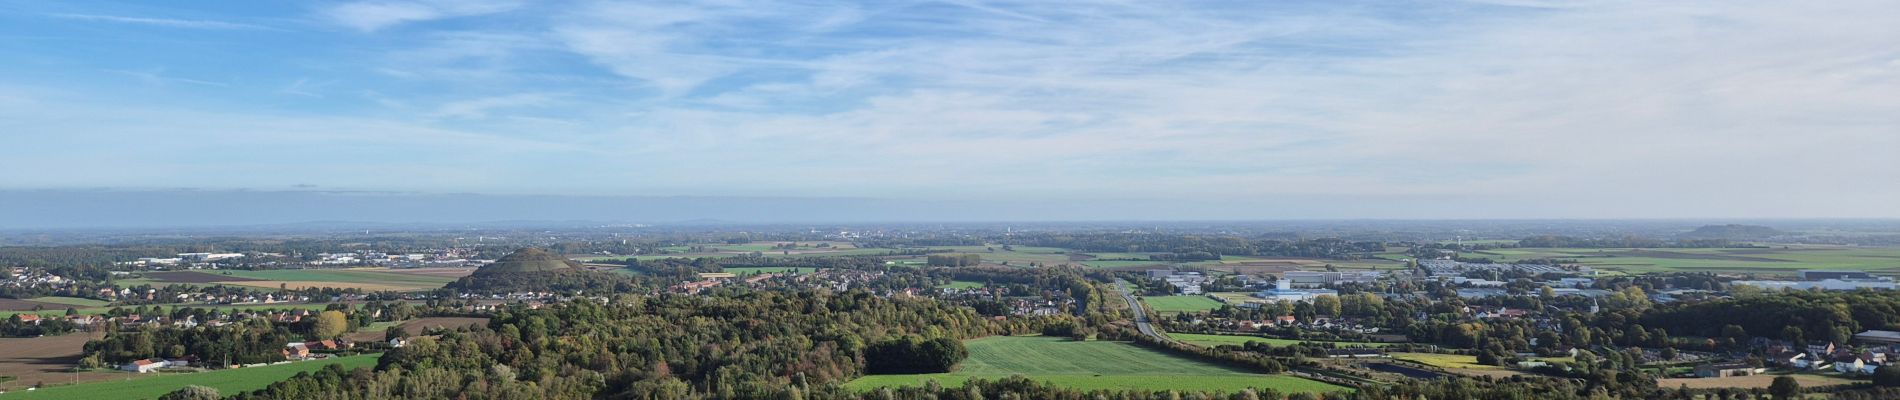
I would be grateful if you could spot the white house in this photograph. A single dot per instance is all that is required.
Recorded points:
(144, 366)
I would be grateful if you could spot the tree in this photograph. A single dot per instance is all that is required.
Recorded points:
(1784, 387)
(1794, 334)
(1326, 305)
(394, 332)
(193, 392)
(331, 324)
(1885, 376)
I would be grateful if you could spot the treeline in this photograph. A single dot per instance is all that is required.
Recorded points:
(573, 281)
(253, 341)
(728, 344)
(912, 354)
(1792, 315)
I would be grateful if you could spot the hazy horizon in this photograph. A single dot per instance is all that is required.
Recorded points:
(948, 110)
(100, 208)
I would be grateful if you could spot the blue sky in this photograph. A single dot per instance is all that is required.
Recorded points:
(1529, 108)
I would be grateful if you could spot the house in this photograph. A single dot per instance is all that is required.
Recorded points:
(296, 351)
(29, 318)
(143, 366)
(1854, 365)
(1790, 359)
(1725, 370)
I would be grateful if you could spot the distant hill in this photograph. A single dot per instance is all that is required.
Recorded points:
(1732, 232)
(530, 260)
(537, 270)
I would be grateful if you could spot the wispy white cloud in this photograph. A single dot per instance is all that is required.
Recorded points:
(480, 107)
(164, 22)
(304, 87)
(372, 15)
(156, 76)
(1575, 108)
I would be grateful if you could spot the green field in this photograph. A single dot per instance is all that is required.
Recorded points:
(765, 270)
(71, 301)
(224, 307)
(1176, 304)
(1216, 340)
(1121, 264)
(961, 285)
(339, 275)
(228, 382)
(1774, 260)
(1455, 361)
(1093, 365)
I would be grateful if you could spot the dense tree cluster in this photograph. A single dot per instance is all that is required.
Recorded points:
(912, 354)
(727, 344)
(255, 341)
(1794, 315)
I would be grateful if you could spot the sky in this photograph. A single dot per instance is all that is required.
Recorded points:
(1242, 109)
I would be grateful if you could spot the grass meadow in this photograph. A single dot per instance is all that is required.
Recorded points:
(1772, 260)
(1178, 304)
(228, 381)
(1216, 340)
(1093, 365)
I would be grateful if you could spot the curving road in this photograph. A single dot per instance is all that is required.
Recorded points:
(1141, 314)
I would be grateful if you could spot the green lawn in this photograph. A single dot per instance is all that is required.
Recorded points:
(962, 285)
(1093, 365)
(1176, 304)
(1216, 340)
(228, 382)
(71, 301)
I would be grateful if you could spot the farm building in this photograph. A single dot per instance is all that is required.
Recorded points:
(1726, 370)
(144, 366)
(1878, 337)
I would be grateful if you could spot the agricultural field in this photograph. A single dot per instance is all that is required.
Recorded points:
(44, 359)
(228, 382)
(1258, 265)
(1784, 260)
(224, 307)
(1019, 256)
(28, 305)
(373, 279)
(1093, 365)
(765, 270)
(1217, 340)
(1457, 362)
(413, 327)
(1122, 264)
(71, 301)
(1179, 304)
(1752, 381)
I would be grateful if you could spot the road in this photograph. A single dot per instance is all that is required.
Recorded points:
(1141, 314)
(1146, 328)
